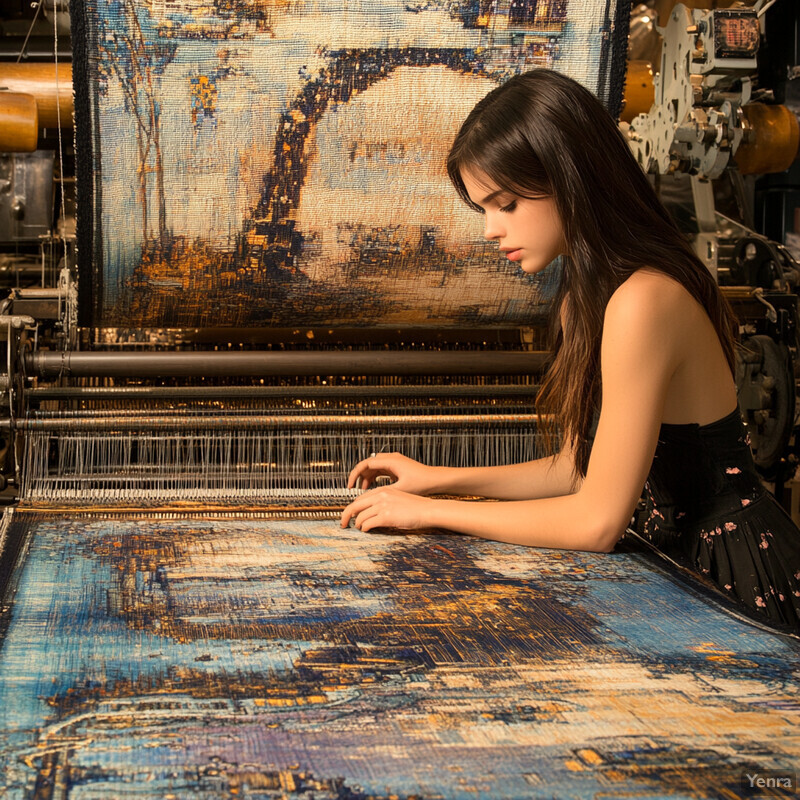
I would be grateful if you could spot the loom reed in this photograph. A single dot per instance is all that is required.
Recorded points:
(231, 457)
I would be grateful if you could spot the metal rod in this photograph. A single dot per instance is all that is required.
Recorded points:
(216, 364)
(150, 424)
(201, 414)
(39, 293)
(263, 392)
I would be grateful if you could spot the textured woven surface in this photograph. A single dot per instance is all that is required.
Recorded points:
(206, 658)
(282, 164)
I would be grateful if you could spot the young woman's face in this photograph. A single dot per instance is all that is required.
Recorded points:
(529, 232)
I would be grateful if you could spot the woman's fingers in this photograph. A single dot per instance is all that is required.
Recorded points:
(365, 472)
(354, 509)
(356, 473)
(361, 509)
(387, 507)
(366, 519)
(361, 471)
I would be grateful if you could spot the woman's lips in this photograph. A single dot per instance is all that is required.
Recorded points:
(513, 255)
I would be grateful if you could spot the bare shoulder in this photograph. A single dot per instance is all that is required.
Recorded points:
(650, 295)
(651, 313)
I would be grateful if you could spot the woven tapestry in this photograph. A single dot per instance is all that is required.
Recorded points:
(282, 163)
(205, 658)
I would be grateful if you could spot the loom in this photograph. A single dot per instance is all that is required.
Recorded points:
(288, 438)
(182, 615)
(383, 382)
(176, 428)
(291, 444)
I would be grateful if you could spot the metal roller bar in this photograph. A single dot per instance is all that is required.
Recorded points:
(190, 414)
(248, 392)
(39, 293)
(337, 337)
(217, 364)
(181, 423)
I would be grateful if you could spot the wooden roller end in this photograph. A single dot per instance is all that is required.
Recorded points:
(773, 142)
(49, 83)
(639, 90)
(19, 123)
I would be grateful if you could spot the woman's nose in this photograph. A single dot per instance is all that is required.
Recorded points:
(491, 227)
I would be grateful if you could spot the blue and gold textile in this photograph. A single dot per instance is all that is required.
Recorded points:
(282, 163)
(151, 657)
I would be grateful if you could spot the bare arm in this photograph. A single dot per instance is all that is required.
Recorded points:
(552, 476)
(640, 352)
(544, 477)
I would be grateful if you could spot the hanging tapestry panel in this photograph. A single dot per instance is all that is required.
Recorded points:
(281, 163)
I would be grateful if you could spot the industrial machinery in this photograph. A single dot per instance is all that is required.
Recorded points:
(719, 117)
(245, 419)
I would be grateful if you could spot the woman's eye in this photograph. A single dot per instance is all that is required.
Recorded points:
(510, 207)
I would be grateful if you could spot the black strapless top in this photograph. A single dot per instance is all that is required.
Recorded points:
(707, 509)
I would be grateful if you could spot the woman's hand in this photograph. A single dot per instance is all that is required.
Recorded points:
(407, 475)
(388, 507)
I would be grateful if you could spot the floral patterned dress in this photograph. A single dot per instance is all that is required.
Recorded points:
(707, 509)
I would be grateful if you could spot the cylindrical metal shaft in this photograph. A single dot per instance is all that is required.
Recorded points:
(216, 364)
(184, 424)
(138, 393)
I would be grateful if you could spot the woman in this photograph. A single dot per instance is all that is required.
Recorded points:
(642, 334)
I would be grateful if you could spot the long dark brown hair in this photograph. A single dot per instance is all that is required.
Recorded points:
(542, 133)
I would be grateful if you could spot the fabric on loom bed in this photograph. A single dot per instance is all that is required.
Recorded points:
(198, 657)
(282, 164)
